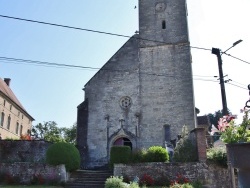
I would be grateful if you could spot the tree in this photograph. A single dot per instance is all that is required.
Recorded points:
(69, 134)
(214, 118)
(48, 131)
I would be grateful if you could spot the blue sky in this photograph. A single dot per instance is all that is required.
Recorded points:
(52, 93)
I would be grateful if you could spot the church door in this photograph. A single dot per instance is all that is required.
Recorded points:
(123, 142)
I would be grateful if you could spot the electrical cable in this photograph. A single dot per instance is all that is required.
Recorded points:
(237, 58)
(94, 31)
(108, 33)
(58, 65)
(237, 86)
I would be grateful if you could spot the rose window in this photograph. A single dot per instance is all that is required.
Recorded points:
(125, 102)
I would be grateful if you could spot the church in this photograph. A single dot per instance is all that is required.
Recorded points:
(143, 95)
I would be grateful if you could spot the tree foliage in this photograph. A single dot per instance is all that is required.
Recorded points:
(69, 134)
(50, 131)
(215, 117)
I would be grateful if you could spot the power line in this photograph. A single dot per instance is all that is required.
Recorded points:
(206, 80)
(45, 63)
(94, 31)
(237, 86)
(203, 76)
(58, 65)
(239, 83)
(108, 33)
(65, 26)
(237, 58)
(200, 48)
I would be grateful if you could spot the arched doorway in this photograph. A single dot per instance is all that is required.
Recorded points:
(123, 141)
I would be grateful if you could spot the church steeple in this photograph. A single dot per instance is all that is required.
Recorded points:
(162, 20)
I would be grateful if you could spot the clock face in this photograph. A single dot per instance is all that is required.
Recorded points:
(159, 7)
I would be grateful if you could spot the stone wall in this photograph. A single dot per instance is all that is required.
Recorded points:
(23, 162)
(209, 174)
(23, 151)
(27, 173)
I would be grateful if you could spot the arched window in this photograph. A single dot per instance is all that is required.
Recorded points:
(163, 24)
(2, 119)
(8, 123)
(17, 127)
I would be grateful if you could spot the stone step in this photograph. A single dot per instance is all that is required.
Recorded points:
(88, 179)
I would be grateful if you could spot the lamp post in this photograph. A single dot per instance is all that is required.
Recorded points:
(218, 53)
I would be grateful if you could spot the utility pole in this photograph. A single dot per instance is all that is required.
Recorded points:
(216, 51)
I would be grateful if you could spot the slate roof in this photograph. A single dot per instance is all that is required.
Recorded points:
(7, 92)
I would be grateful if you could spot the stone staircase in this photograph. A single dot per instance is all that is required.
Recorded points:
(88, 179)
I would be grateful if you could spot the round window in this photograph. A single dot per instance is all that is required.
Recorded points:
(125, 102)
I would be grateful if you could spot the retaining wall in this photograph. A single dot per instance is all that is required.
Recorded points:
(31, 173)
(209, 174)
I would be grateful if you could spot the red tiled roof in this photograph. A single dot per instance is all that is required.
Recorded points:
(5, 89)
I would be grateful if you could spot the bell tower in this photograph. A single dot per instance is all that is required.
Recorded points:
(164, 21)
(165, 71)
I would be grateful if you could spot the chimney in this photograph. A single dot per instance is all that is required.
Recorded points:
(7, 81)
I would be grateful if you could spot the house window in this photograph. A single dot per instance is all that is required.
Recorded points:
(8, 123)
(10, 107)
(2, 119)
(17, 127)
(22, 116)
(163, 24)
(4, 102)
(18, 114)
(21, 130)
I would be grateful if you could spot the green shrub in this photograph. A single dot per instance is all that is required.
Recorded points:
(186, 185)
(120, 154)
(196, 184)
(63, 153)
(138, 156)
(133, 185)
(217, 155)
(115, 182)
(156, 154)
(185, 151)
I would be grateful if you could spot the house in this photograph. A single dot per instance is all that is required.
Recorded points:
(14, 119)
(143, 95)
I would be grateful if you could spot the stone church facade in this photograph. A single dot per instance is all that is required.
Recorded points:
(143, 95)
